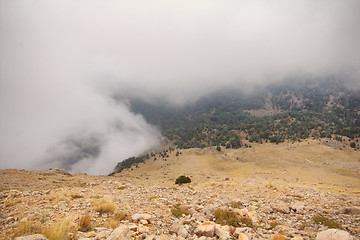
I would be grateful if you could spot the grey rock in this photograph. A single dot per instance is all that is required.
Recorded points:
(334, 234)
(32, 237)
(182, 232)
(297, 206)
(281, 207)
(351, 210)
(120, 233)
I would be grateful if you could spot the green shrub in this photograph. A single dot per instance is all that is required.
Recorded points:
(182, 179)
(327, 222)
(224, 217)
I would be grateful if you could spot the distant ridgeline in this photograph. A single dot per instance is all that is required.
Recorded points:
(292, 110)
(134, 161)
(128, 163)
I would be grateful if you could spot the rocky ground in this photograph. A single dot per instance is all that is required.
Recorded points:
(288, 191)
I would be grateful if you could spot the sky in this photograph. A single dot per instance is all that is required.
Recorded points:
(61, 61)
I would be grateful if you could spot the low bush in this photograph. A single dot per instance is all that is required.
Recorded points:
(182, 179)
(59, 230)
(178, 211)
(75, 196)
(327, 222)
(224, 217)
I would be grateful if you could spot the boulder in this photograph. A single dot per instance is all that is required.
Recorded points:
(206, 229)
(334, 234)
(351, 210)
(120, 233)
(297, 206)
(143, 216)
(182, 232)
(281, 207)
(222, 232)
(32, 237)
(278, 237)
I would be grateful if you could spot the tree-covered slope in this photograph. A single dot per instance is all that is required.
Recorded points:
(290, 110)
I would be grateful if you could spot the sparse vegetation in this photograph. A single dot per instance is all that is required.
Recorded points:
(322, 220)
(247, 222)
(115, 220)
(96, 197)
(27, 227)
(104, 207)
(152, 198)
(224, 217)
(56, 231)
(59, 230)
(235, 205)
(179, 210)
(182, 179)
(75, 196)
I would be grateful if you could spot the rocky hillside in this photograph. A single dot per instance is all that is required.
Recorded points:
(304, 190)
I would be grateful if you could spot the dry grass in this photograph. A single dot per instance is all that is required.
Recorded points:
(273, 224)
(59, 231)
(235, 205)
(58, 196)
(13, 202)
(27, 227)
(104, 206)
(115, 221)
(85, 223)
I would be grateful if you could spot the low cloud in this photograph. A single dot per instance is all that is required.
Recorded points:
(62, 61)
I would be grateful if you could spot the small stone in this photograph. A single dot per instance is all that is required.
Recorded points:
(198, 208)
(278, 237)
(182, 232)
(297, 206)
(267, 209)
(144, 216)
(143, 229)
(282, 208)
(242, 236)
(143, 222)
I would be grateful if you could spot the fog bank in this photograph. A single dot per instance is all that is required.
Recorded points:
(62, 61)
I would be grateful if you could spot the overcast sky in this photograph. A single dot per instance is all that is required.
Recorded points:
(61, 60)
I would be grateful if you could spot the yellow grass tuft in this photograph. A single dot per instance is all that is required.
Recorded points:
(115, 221)
(104, 206)
(85, 223)
(59, 231)
(27, 227)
